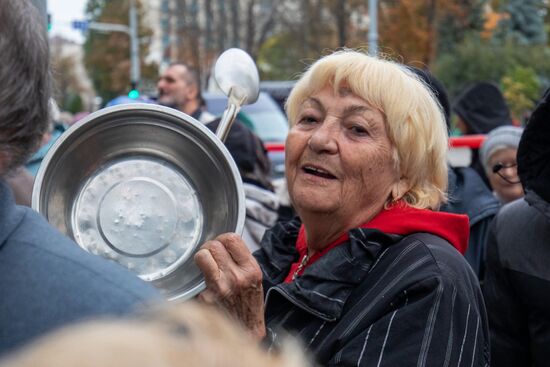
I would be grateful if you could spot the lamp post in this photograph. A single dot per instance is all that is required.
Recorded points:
(131, 30)
(134, 46)
(373, 27)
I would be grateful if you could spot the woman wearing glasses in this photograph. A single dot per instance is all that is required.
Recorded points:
(498, 156)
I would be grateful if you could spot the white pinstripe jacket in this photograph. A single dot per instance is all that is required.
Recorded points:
(377, 300)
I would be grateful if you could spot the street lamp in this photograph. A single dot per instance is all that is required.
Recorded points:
(373, 27)
(131, 31)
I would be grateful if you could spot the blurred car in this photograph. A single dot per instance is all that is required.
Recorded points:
(278, 90)
(264, 118)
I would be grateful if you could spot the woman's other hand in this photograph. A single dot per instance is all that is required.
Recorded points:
(233, 280)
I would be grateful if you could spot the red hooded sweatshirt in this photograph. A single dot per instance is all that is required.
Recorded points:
(399, 219)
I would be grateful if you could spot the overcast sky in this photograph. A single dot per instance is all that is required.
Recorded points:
(63, 13)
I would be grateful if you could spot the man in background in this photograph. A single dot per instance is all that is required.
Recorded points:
(179, 88)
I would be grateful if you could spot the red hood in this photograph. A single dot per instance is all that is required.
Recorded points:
(399, 219)
(402, 219)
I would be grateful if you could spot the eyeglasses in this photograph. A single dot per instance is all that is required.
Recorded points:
(497, 168)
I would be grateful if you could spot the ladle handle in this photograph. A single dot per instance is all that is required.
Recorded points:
(226, 122)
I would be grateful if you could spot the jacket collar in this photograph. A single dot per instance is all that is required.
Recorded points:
(324, 286)
(10, 214)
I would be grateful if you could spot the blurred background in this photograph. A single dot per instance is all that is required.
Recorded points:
(104, 49)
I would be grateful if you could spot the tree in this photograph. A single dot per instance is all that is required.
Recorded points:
(107, 55)
(69, 83)
(205, 29)
(521, 88)
(524, 23)
(477, 59)
(416, 30)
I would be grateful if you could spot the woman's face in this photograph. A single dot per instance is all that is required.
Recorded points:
(507, 188)
(339, 157)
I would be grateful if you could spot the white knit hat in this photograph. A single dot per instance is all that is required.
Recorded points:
(499, 138)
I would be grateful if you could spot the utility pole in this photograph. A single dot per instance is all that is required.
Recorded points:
(131, 30)
(373, 27)
(134, 46)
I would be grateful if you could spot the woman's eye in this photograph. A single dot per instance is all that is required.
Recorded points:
(358, 130)
(308, 120)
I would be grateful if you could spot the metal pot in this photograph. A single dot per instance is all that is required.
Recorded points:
(145, 186)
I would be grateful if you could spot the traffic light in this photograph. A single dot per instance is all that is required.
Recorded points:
(49, 22)
(133, 93)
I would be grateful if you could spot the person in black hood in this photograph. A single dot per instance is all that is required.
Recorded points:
(466, 192)
(517, 285)
(481, 108)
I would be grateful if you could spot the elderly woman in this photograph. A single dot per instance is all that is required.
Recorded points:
(498, 156)
(371, 274)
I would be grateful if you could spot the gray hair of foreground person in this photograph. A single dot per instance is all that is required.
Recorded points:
(26, 83)
(186, 335)
(414, 120)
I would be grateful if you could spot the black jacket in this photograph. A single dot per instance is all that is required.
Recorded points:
(517, 283)
(468, 195)
(377, 300)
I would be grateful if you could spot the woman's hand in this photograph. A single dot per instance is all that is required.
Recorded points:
(233, 280)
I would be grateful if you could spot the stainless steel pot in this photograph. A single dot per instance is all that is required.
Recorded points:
(145, 186)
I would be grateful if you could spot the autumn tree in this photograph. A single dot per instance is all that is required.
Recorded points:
(107, 55)
(204, 29)
(416, 30)
(66, 81)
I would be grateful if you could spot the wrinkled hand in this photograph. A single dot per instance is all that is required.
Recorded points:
(233, 280)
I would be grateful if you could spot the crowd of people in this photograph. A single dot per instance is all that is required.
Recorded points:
(394, 257)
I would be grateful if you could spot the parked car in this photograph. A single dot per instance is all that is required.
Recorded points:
(278, 90)
(264, 118)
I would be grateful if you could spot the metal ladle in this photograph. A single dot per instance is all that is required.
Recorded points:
(237, 76)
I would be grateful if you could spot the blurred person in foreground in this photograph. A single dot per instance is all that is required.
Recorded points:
(183, 335)
(467, 194)
(371, 274)
(481, 108)
(498, 156)
(46, 279)
(517, 285)
(179, 88)
(21, 179)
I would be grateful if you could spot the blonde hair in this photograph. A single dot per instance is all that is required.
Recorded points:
(184, 335)
(414, 119)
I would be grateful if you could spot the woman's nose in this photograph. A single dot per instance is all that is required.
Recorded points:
(324, 139)
(510, 171)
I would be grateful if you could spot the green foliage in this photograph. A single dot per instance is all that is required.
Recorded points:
(107, 55)
(476, 60)
(279, 58)
(521, 88)
(525, 24)
(452, 29)
(73, 103)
